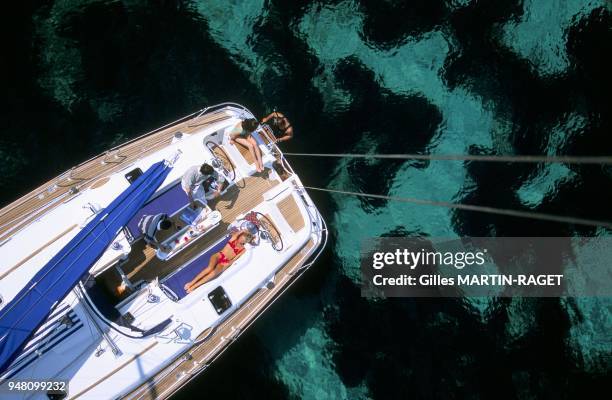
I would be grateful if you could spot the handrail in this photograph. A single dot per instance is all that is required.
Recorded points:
(26, 198)
(308, 259)
(250, 318)
(284, 163)
(221, 105)
(79, 292)
(202, 112)
(106, 152)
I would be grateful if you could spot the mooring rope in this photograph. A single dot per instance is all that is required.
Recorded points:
(470, 157)
(477, 208)
(600, 160)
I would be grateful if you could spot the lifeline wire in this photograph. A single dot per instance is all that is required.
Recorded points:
(470, 157)
(485, 209)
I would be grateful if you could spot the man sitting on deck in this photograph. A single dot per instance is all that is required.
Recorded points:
(194, 180)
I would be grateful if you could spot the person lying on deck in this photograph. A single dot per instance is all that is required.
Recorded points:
(221, 261)
(241, 133)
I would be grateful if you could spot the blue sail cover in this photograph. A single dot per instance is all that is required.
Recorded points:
(20, 318)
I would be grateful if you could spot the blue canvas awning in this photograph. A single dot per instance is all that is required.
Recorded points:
(22, 316)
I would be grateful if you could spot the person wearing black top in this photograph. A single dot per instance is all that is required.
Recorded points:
(280, 125)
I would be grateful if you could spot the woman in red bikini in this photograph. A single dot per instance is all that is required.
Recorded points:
(221, 261)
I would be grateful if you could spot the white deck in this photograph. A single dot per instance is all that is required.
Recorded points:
(84, 357)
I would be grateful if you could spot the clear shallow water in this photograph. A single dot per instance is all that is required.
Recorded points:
(526, 77)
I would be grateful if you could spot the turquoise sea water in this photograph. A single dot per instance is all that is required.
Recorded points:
(512, 77)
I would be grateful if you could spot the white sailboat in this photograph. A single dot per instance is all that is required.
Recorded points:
(91, 311)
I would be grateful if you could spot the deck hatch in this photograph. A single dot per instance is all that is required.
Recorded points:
(220, 300)
(133, 175)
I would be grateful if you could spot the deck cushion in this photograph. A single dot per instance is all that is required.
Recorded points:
(174, 284)
(169, 202)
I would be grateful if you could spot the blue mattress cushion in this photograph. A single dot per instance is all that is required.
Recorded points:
(174, 284)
